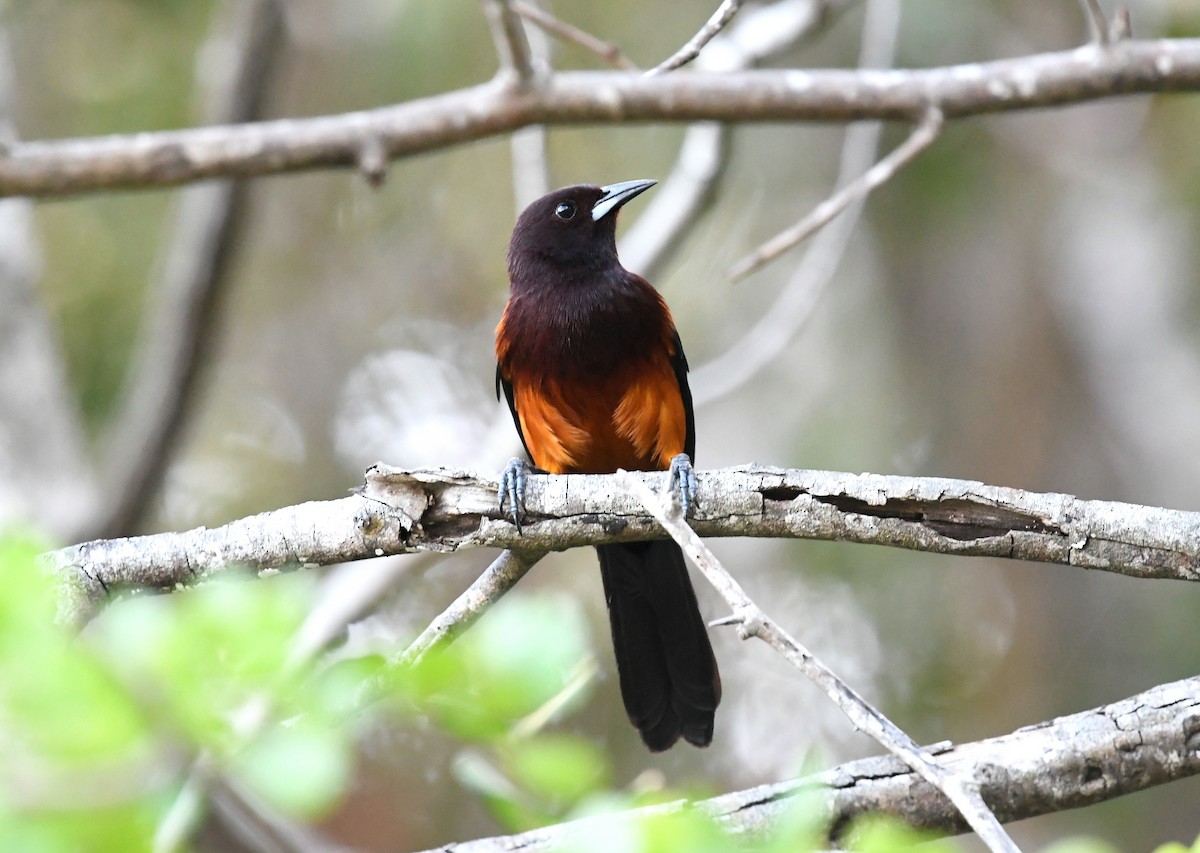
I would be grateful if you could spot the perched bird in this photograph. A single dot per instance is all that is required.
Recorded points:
(596, 379)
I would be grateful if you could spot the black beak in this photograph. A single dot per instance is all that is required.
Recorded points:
(616, 195)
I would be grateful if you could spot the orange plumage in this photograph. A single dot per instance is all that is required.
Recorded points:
(632, 418)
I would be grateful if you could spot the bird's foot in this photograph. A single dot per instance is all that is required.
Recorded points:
(683, 481)
(512, 489)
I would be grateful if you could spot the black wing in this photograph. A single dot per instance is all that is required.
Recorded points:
(679, 363)
(502, 383)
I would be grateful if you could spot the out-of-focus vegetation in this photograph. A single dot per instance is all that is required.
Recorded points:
(107, 739)
(1018, 307)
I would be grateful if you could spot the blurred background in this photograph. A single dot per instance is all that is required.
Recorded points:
(1018, 306)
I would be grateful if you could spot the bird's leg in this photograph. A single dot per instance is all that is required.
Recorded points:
(683, 480)
(512, 488)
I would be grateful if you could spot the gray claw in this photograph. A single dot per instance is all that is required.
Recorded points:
(683, 480)
(512, 489)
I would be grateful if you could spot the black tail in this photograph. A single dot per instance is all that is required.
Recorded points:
(669, 678)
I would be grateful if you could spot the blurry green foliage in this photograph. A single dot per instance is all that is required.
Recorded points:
(875, 834)
(98, 734)
(504, 668)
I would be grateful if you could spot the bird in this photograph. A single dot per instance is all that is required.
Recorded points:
(594, 373)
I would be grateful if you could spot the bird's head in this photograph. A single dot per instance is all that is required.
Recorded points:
(573, 228)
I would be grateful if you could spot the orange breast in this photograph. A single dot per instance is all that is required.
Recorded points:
(633, 418)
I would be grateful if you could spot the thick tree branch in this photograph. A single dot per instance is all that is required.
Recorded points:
(1087, 73)
(439, 510)
(1100, 754)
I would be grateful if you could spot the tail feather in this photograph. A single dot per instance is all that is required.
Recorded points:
(668, 673)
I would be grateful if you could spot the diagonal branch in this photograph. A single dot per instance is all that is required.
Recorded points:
(960, 788)
(400, 512)
(501, 576)
(762, 343)
(677, 203)
(922, 136)
(512, 46)
(59, 167)
(1096, 21)
(160, 389)
(696, 43)
(607, 51)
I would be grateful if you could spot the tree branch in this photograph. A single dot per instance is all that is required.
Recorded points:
(1086, 758)
(501, 576)
(399, 511)
(922, 136)
(763, 342)
(58, 167)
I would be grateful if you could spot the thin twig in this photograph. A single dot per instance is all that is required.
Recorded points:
(963, 792)
(764, 342)
(922, 136)
(501, 576)
(160, 391)
(580, 679)
(1096, 21)
(676, 204)
(530, 158)
(607, 51)
(512, 45)
(696, 43)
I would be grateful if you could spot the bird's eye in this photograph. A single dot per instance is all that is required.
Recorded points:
(565, 210)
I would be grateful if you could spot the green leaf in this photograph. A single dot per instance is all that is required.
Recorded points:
(802, 824)
(510, 806)
(559, 770)
(301, 769)
(196, 658)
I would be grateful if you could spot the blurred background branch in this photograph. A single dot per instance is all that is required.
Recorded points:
(234, 73)
(45, 472)
(167, 158)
